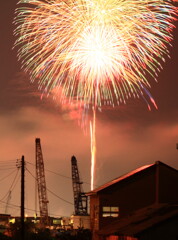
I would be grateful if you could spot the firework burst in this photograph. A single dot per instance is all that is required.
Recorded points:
(98, 51)
(94, 52)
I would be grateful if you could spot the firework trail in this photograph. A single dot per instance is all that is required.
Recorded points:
(96, 52)
(93, 147)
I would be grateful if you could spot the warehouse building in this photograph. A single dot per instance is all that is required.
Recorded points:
(142, 204)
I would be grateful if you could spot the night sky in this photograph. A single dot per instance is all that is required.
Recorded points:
(128, 136)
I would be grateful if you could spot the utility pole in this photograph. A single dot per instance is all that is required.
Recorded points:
(22, 198)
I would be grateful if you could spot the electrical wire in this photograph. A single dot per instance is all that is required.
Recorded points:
(14, 206)
(7, 168)
(7, 175)
(13, 184)
(59, 197)
(61, 175)
(8, 165)
(7, 162)
(50, 190)
(10, 204)
(11, 162)
(52, 172)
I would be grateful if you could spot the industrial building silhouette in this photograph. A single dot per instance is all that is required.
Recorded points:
(142, 204)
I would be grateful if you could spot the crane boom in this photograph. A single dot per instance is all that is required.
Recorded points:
(41, 183)
(80, 199)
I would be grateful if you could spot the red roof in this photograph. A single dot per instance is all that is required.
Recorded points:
(116, 180)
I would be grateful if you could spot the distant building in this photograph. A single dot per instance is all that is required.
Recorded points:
(4, 219)
(66, 223)
(4, 223)
(79, 222)
(142, 204)
(53, 221)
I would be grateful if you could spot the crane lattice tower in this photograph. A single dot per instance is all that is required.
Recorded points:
(80, 199)
(41, 183)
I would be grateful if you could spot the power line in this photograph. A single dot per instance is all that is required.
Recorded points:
(50, 190)
(8, 165)
(10, 160)
(7, 175)
(59, 197)
(11, 205)
(52, 172)
(9, 168)
(13, 184)
(61, 175)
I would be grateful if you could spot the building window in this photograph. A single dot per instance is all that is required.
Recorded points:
(110, 211)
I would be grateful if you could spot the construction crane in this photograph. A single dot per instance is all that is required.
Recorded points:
(80, 199)
(41, 184)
